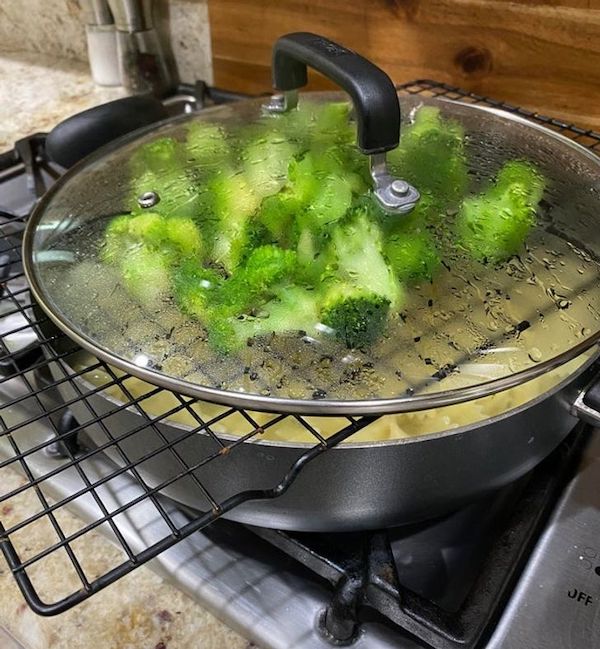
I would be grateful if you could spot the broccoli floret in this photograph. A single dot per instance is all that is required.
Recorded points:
(145, 247)
(157, 156)
(294, 309)
(217, 302)
(431, 156)
(356, 257)
(321, 123)
(330, 204)
(266, 159)
(356, 315)
(331, 123)
(171, 237)
(494, 225)
(206, 144)
(195, 287)
(277, 215)
(413, 255)
(234, 203)
(145, 275)
(251, 285)
(316, 195)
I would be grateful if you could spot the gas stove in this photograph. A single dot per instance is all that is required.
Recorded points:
(517, 569)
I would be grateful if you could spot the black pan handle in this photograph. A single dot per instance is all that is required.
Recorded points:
(81, 134)
(373, 94)
(592, 396)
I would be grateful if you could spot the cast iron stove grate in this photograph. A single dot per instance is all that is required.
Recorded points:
(28, 404)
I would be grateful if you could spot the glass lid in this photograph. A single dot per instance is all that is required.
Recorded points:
(242, 257)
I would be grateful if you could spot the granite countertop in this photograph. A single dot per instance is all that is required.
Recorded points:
(140, 611)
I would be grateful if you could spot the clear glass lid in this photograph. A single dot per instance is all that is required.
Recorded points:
(242, 258)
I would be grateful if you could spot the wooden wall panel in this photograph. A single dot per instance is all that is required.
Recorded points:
(543, 54)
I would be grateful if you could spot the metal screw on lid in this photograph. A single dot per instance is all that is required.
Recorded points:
(148, 199)
(400, 188)
(395, 196)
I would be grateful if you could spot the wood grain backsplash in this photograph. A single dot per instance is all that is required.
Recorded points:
(541, 54)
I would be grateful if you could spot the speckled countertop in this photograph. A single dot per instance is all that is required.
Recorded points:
(140, 611)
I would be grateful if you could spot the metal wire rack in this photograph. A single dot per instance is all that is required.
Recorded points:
(41, 386)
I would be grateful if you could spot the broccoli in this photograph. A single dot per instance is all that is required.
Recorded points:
(234, 204)
(251, 285)
(145, 275)
(317, 194)
(266, 159)
(145, 247)
(318, 123)
(195, 286)
(359, 287)
(493, 225)
(412, 254)
(206, 144)
(294, 309)
(280, 234)
(431, 156)
(409, 247)
(157, 156)
(357, 316)
(217, 301)
(172, 238)
(355, 256)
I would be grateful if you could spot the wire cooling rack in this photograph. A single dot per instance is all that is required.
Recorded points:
(47, 409)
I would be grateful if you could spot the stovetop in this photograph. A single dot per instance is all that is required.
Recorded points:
(272, 599)
(520, 568)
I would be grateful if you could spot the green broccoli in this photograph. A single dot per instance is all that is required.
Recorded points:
(494, 225)
(317, 194)
(294, 309)
(251, 285)
(356, 316)
(356, 256)
(280, 234)
(318, 123)
(234, 204)
(412, 254)
(431, 156)
(206, 144)
(359, 287)
(145, 275)
(145, 247)
(266, 159)
(173, 238)
(195, 287)
(157, 156)
(217, 301)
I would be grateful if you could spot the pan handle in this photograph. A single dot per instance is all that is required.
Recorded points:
(83, 133)
(375, 100)
(587, 404)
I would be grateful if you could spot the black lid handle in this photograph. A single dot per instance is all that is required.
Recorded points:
(376, 105)
(373, 94)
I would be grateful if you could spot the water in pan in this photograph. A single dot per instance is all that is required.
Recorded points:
(473, 323)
